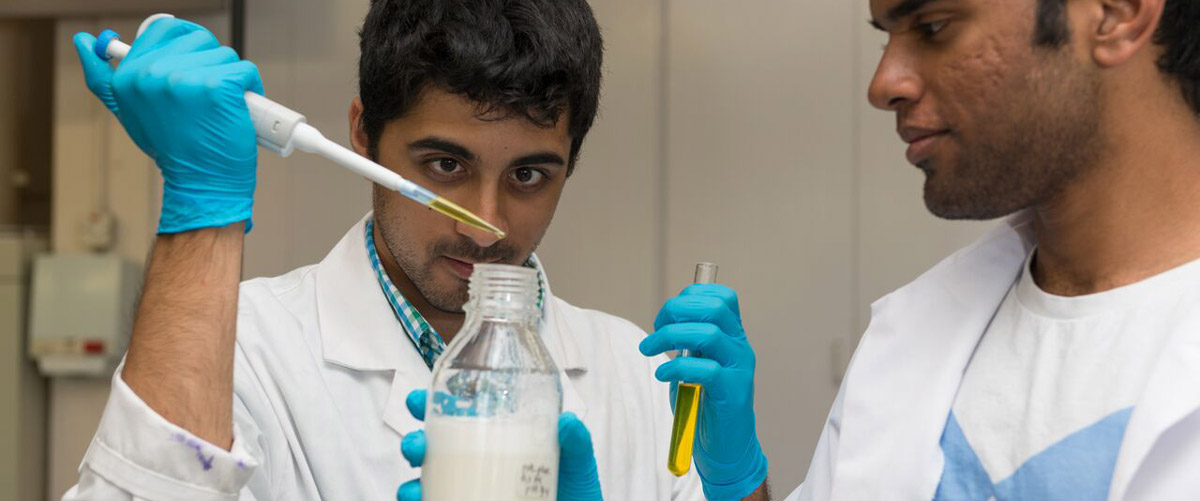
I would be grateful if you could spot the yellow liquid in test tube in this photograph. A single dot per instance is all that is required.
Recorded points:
(683, 434)
(687, 402)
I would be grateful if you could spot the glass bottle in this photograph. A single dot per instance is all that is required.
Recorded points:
(492, 413)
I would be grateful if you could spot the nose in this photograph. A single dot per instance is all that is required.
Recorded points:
(487, 206)
(895, 82)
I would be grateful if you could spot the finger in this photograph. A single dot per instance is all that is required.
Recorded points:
(575, 441)
(193, 72)
(703, 340)
(202, 71)
(689, 370)
(409, 491)
(216, 56)
(97, 73)
(723, 292)
(196, 41)
(699, 309)
(161, 32)
(242, 75)
(245, 74)
(416, 403)
(412, 447)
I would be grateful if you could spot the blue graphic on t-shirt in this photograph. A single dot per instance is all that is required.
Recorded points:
(1078, 467)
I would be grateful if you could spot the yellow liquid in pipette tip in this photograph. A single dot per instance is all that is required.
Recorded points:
(464, 216)
(683, 433)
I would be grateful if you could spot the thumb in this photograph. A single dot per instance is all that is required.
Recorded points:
(575, 440)
(578, 478)
(97, 73)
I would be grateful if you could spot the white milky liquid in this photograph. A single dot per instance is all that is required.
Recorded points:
(490, 459)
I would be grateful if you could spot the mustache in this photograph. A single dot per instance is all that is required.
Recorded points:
(464, 248)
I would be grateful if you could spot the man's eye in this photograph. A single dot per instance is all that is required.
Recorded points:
(528, 176)
(447, 166)
(928, 30)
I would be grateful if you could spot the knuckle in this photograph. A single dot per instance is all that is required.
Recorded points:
(159, 69)
(226, 54)
(176, 80)
(142, 82)
(199, 38)
(214, 82)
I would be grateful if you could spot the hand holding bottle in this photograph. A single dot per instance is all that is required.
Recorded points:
(578, 479)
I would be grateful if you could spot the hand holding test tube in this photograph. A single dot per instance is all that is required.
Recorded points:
(705, 319)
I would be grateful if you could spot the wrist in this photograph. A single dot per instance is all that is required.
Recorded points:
(736, 480)
(185, 211)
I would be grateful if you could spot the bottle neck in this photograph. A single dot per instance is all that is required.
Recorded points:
(503, 293)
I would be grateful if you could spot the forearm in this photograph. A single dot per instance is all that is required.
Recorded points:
(180, 359)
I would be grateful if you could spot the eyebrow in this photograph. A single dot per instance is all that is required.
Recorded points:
(543, 158)
(905, 9)
(443, 145)
(453, 148)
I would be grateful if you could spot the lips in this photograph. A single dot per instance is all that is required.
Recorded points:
(463, 268)
(921, 142)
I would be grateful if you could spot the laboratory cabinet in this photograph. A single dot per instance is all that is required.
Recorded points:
(22, 389)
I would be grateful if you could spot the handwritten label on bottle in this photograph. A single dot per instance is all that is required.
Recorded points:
(534, 480)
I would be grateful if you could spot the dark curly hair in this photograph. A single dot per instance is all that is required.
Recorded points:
(536, 59)
(1178, 33)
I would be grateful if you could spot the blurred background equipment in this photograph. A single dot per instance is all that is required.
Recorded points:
(81, 313)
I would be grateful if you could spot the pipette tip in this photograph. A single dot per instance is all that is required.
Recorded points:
(463, 215)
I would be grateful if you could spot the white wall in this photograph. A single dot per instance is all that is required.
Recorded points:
(736, 132)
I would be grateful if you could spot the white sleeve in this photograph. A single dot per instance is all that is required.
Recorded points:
(138, 454)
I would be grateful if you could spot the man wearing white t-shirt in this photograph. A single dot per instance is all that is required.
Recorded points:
(1058, 357)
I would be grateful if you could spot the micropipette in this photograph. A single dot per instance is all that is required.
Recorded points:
(687, 401)
(282, 130)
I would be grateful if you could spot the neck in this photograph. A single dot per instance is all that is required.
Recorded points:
(1133, 214)
(444, 322)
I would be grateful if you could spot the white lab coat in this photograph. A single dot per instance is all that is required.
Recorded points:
(881, 440)
(321, 375)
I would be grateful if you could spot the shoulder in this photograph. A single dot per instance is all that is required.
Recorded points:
(590, 323)
(605, 343)
(283, 294)
(277, 319)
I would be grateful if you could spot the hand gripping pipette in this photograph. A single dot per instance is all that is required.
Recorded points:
(687, 401)
(282, 131)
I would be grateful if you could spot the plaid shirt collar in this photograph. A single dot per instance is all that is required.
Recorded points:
(423, 336)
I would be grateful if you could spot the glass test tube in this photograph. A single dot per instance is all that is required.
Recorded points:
(687, 401)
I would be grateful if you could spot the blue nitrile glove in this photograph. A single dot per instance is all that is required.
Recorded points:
(179, 95)
(578, 479)
(705, 319)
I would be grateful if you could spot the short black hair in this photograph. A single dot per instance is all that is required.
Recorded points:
(535, 59)
(1178, 33)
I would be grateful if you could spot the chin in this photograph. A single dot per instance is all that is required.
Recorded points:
(964, 207)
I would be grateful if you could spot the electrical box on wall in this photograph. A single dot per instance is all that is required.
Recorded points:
(81, 313)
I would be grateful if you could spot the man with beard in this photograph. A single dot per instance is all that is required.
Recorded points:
(294, 387)
(1058, 357)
